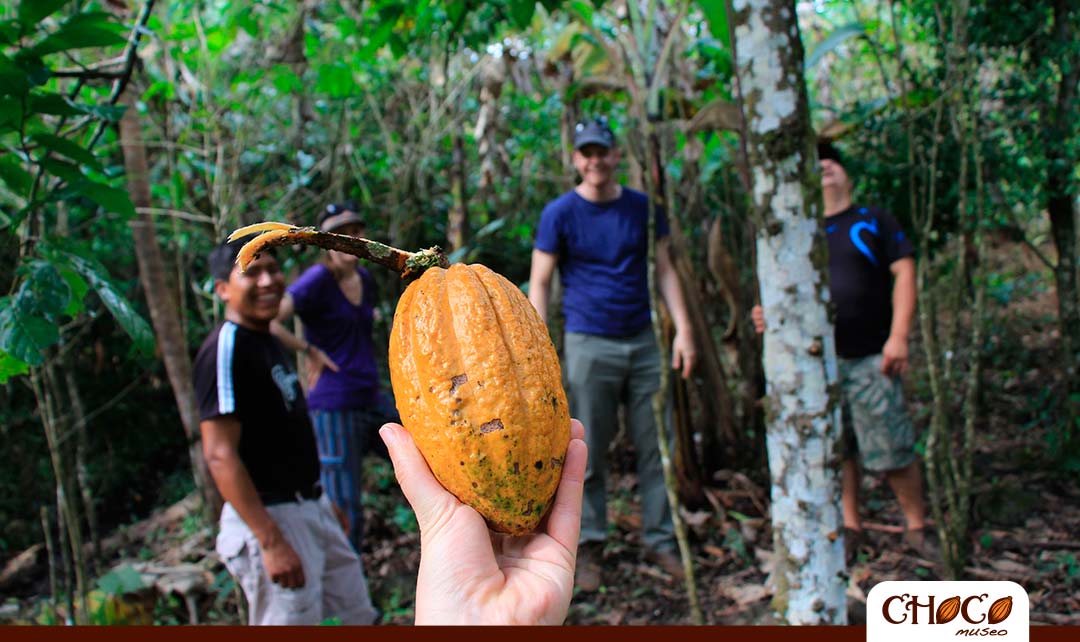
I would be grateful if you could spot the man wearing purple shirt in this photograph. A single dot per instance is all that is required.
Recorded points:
(335, 300)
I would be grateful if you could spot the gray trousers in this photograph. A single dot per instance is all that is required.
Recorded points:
(601, 372)
(334, 586)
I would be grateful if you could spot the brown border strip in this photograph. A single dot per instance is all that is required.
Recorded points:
(474, 633)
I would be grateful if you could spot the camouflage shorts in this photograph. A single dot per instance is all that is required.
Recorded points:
(877, 429)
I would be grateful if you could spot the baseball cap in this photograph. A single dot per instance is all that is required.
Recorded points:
(594, 132)
(826, 150)
(338, 215)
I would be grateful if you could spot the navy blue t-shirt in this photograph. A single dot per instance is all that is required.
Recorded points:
(863, 243)
(603, 251)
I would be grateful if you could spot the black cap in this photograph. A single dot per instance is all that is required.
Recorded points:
(222, 258)
(826, 150)
(594, 132)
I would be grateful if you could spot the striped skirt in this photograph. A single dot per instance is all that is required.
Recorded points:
(344, 437)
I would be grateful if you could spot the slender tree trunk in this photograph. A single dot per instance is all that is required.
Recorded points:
(82, 475)
(457, 228)
(50, 553)
(1061, 190)
(69, 529)
(164, 313)
(803, 427)
(687, 467)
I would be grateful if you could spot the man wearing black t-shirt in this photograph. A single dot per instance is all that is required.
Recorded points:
(279, 535)
(872, 277)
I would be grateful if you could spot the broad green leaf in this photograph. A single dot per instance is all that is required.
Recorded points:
(521, 11)
(398, 47)
(335, 80)
(123, 579)
(11, 367)
(63, 169)
(424, 13)
(111, 198)
(583, 10)
(376, 40)
(51, 291)
(9, 31)
(53, 104)
(159, 87)
(130, 320)
(111, 113)
(81, 32)
(455, 10)
(78, 286)
(14, 175)
(13, 79)
(24, 334)
(716, 15)
(833, 40)
(285, 80)
(67, 148)
(33, 11)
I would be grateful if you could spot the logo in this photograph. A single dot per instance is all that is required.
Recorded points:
(932, 611)
(286, 381)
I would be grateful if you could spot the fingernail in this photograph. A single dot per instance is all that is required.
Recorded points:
(388, 435)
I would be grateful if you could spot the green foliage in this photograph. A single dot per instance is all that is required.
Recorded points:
(833, 40)
(717, 17)
(121, 580)
(47, 164)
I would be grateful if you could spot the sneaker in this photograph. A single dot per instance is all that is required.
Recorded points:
(587, 571)
(854, 540)
(668, 561)
(922, 542)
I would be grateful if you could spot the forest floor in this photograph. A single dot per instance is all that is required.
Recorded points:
(1025, 520)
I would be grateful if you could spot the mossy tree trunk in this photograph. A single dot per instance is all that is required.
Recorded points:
(164, 311)
(803, 427)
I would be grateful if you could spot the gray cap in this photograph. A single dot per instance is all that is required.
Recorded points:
(594, 132)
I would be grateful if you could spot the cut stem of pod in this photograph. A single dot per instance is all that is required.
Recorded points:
(271, 234)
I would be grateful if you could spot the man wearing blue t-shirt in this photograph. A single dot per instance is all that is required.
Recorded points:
(597, 237)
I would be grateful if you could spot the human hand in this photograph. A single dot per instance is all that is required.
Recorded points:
(283, 564)
(471, 575)
(757, 315)
(317, 360)
(342, 518)
(683, 354)
(894, 357)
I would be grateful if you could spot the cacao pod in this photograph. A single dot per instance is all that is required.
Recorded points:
(478, 386)
(947, 610)
(999, 610)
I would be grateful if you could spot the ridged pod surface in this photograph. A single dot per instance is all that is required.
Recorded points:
(478, 385)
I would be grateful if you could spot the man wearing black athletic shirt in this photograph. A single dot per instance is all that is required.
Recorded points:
(280, 536)
(872, 279)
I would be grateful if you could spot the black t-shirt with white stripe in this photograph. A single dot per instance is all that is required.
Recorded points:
(245, 374)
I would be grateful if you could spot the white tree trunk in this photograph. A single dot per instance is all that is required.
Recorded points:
(803, 426)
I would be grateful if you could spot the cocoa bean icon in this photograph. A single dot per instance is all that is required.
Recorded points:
(947, 610)
(999, 610)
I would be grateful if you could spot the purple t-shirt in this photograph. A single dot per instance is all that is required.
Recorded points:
(343, 331)
(603, 251)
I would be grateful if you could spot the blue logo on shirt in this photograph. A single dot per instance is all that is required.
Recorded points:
(856, 240)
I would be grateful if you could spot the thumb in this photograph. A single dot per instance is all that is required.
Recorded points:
(425, 494)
